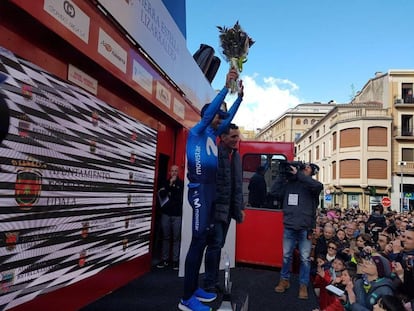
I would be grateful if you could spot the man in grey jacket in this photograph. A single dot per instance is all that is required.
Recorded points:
(228, 203)
(298, 193)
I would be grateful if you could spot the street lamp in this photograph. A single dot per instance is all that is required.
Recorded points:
(401, 164)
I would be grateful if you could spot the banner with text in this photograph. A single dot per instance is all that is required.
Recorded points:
(76, 186)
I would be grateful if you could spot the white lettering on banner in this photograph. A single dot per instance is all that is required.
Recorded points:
(69, 15)
(211, 147)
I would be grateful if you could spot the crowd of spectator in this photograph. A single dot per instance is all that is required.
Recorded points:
(363, 261)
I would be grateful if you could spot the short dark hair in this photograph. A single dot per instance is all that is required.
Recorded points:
(231, 126)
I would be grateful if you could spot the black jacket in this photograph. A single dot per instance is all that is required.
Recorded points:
(174, 206)
(257, 190)
(229, 199)
(299, 195)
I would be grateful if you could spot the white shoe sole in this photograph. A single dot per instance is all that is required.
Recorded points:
(185, 308)
(206, 299)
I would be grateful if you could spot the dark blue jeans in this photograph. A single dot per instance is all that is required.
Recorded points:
(171, 229)
(215, 242)
(290, 239)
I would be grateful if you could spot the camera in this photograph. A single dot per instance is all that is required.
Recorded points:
(285, 167)
(364, 255)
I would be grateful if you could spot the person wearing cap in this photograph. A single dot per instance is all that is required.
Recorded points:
(375, 283)
(202, 154)
(299, 194)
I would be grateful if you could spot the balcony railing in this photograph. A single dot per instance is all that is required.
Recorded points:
(407, 102)
(408, 168)
(407, 134)
(360, 113)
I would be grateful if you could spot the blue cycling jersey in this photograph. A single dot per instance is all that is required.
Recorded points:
(201, 142)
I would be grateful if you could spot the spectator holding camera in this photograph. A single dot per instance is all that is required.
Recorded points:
(298, 193)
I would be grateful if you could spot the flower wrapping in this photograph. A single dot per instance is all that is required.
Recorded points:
(235, 44)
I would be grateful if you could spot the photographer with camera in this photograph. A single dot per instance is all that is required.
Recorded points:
(298, 193)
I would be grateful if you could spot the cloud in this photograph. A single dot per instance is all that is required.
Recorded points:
(264, 100)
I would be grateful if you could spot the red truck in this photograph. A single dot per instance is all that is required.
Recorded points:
(259, 237)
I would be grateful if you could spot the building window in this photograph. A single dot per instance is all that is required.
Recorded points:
(334, 170)
(313, 121)
(297, 136)
(334, 141)
(407, 154)
(297, 121)
(305, 121)
(317, 153)
(310, 156)
(406, 125)
(407, 93)
(350, 138)
(323, 150)
(377, 136)
(349, 168)
(310, 139)
(377, 169)
(317, 134)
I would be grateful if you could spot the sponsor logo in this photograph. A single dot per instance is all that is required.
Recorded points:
(6, 281)
(107, 46)
(27, 91)
(134, 136)
(197, 205)
(28, 187)
(197, 157)
(82, 258)
(69, 9)
(11, 240)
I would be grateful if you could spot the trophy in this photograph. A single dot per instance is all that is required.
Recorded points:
(226, 304)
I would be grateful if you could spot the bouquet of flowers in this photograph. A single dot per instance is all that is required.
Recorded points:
(235, 44)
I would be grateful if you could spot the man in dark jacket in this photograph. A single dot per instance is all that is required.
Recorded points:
(171, 197)
(228, 203)
(257, 188)
(299, 194)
